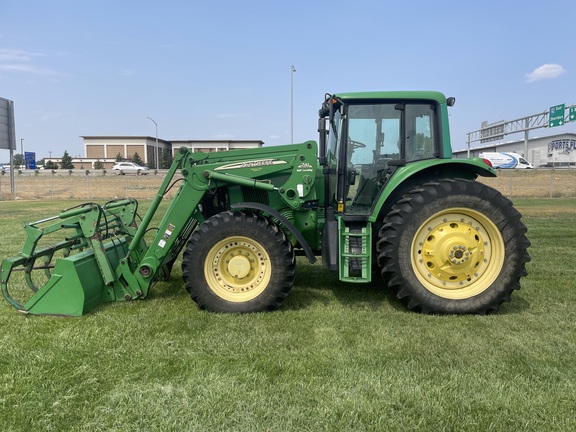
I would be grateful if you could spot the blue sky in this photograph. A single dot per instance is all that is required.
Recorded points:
(222, 69)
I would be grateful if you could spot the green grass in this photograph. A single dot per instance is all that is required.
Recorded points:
(335, 357)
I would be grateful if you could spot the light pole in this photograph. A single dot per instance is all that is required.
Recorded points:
(292, 70)
(22, 151)
(156, 149)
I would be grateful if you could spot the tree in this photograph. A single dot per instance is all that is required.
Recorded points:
(18, 160)
(98, 164)
(151, 163)
(66, 161)
(136, 159)
(50, 165)
(119, 157)
(166, 159)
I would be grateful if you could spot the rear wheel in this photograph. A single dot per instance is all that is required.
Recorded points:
(238, 262)
(453, 246)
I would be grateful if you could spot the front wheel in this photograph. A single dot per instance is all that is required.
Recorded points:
(453, 246)
(238, 262)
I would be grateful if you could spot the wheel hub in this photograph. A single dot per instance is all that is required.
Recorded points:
(453, 252)
(459, 254)
(239, 266)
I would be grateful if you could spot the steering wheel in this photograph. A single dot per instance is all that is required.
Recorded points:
(356, 144)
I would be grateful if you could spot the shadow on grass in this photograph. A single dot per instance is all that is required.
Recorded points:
(518, 305)
(171, 288)
(315, 285)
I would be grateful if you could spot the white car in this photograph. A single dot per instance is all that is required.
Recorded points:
(130, 168)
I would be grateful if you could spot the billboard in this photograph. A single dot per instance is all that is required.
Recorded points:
(7, 130)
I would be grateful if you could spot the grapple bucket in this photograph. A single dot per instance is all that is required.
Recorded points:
(74, 275)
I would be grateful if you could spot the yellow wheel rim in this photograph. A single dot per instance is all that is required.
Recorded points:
(237, 269)
(457, 253)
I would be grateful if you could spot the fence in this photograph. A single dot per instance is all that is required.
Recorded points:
(535, 183)
(79, 184)
(102, 185)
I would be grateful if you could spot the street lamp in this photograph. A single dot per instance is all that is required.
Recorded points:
(22, 152)
(292, 70)
(156, 149)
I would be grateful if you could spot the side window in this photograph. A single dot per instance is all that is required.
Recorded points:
(333, 136)
(419, 132)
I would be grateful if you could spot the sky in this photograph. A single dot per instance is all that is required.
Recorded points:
(210, 70)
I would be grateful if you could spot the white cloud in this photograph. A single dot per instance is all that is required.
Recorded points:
(23, 62)
(16, 55)
(546, 71)
(50, 115)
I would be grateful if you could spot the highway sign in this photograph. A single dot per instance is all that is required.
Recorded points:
(572, 113)
(7, 132)
(556, 116)
(30, 160)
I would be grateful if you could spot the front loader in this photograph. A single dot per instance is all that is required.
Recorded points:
(379, 192)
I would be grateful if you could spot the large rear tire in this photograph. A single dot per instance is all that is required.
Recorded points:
(238, 262)
(453, 246)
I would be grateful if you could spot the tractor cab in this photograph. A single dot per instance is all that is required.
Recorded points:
(365, 137)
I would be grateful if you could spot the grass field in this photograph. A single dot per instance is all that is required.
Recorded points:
(335, 357)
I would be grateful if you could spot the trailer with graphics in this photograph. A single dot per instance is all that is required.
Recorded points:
(505, 160)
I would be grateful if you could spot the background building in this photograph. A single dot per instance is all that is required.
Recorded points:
(106, 149)
(552, 151)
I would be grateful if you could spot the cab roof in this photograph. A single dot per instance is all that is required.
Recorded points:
(394, 95)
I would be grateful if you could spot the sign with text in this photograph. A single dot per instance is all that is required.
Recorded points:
(556, 116)
(572, 113)
(7, 131)
(492, 131)
(30, 160)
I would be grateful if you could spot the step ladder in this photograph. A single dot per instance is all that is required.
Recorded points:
(355, 264)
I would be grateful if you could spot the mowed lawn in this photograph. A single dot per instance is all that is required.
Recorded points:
(335, 357)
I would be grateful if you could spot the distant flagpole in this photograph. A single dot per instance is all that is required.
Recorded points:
(292, 70)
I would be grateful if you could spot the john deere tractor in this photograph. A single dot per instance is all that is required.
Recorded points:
(379, 192)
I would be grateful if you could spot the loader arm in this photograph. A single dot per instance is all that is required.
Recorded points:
(288, 180)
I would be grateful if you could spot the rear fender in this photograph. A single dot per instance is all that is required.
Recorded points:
(413, 174)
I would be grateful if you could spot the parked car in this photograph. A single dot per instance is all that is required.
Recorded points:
(130, 168)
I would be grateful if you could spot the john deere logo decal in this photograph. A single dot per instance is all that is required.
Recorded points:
(251, 164)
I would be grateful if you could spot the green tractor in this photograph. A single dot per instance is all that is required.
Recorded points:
(379, 191)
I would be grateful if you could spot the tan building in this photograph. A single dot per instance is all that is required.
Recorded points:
(107, 148)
